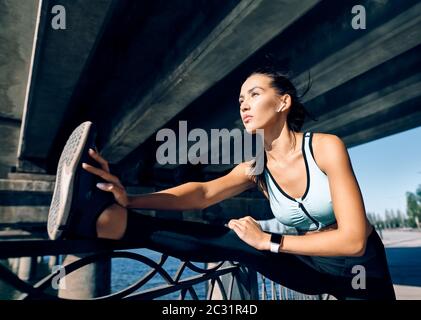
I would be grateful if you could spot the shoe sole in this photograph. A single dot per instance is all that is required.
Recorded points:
(58, 214)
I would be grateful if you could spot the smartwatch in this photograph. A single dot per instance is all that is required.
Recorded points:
(275, 242)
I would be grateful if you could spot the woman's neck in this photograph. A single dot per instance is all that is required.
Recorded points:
(280, 142)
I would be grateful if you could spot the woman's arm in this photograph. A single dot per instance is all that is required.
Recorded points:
(195, 195)
(350, 237)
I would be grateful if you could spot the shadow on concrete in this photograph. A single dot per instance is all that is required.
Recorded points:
(405, 265)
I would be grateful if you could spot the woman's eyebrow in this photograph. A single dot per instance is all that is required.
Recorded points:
(255, 87)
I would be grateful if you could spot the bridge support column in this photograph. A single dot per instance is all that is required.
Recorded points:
(90, 281)
(53, 261)
(27, 268)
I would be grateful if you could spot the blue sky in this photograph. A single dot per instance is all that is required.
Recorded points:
(386, 168)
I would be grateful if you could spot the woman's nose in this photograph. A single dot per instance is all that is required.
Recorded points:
(244, 106)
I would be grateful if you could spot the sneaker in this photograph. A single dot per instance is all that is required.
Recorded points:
(77, 202)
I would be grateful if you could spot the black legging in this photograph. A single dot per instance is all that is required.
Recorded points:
(201, 242)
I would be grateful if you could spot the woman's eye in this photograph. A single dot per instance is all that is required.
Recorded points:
(254, 94)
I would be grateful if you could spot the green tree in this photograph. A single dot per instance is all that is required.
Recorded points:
(371, 217)
(413, 204)
(401, 218)
(388, 218)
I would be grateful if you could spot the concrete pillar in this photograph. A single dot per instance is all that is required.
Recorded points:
(14, 264)
(90, 281)
(244, 288)
(53, 261)
(27, 268)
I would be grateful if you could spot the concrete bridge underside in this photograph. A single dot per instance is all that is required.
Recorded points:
(134, 67)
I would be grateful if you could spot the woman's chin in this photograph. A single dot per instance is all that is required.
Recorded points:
(250, 129)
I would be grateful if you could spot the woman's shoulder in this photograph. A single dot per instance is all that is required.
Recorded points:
(326, 140)
(327, 148)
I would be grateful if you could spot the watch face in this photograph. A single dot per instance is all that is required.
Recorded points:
(276, 238)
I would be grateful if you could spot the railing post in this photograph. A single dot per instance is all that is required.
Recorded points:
(90, 281)
(244, 284)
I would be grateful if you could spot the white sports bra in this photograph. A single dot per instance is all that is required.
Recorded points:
(313, 211)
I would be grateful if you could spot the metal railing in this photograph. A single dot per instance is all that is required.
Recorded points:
(173, 284)
(105, 250)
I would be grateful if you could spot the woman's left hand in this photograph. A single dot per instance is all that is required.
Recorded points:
(250, 232)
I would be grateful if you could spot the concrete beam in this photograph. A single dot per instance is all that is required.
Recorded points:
(26, 200)
(383, 43)
(26, 185)
(30, 176)
(356, 58)
(374, 103)
(17, 25)
(9, 138)
(213, 59)
(55, 75)
(384, 129)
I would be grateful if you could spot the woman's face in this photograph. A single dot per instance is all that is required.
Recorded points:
(259, 103)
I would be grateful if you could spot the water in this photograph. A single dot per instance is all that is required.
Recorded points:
(126, 272)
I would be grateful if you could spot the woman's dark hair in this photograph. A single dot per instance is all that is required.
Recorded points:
(297, 113)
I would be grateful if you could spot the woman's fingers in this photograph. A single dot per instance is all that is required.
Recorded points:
(105, 186)
(104, 163)
(112, 183)
(248, 219)
(118, 193)
(101, 173)
(236, 225)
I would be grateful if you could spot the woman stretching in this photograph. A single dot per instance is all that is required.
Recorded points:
(307, 177)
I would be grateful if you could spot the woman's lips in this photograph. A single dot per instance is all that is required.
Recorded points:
(247, 119)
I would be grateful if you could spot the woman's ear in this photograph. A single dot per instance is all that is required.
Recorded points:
(285, 102)
(281, 103)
